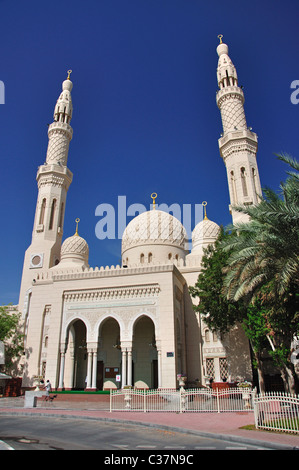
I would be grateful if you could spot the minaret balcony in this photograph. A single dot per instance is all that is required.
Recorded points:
(229, 92)
(58, 126)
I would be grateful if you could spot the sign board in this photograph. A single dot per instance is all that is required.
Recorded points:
(2, 353)
(111, 372)
(118, 378)
(170, 354)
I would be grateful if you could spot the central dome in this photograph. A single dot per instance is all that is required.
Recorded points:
(154, 236)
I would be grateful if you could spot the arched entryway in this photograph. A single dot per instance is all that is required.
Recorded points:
(145, 357)
(109, 354)
(73, 374)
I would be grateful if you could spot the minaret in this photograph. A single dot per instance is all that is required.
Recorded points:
(238, 144)
(53, 181)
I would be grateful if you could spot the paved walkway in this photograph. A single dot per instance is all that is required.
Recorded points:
(218, 425)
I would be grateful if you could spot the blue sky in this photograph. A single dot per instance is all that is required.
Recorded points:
(145, 117)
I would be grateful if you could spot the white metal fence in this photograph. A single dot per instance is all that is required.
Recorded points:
(277, 412)
(273, 411)
(179, 401)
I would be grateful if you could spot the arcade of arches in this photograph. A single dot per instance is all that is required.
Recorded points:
(109, 365)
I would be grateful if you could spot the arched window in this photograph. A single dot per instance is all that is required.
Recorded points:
(53, 208)
(243, 179)
(42, 211)
(254, 180)
(207, 335)
(170, 256)
(150, 257)
(61, 215)
(233, 187)
(142, 258)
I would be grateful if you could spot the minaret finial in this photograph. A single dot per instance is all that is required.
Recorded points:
(69, 74)
(204, 203)
(154, 196)
(220, 36)
(77, 222)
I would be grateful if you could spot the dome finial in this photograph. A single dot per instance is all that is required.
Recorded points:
(204, 203)
(69, 74)
(220, 36)
(77, 222)
(154, 197)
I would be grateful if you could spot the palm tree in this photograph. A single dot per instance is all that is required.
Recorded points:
(267, 247)
(264, 254)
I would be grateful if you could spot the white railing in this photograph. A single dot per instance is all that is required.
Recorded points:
(272, 411)
(277, 412)
(180, 401)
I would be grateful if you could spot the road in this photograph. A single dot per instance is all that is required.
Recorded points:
(44, 433)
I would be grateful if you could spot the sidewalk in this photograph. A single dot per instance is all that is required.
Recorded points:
(218, 425)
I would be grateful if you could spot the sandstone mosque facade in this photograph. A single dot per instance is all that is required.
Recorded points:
(134, 324)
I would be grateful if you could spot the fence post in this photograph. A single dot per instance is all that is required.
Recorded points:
(217, 396)
(110, 400)
(180, 399)
(144, 401)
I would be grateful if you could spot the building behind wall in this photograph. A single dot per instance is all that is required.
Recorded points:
(87, 326)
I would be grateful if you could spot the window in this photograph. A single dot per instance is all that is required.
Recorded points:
(42, 212)
(243, 179)
(53, 208)
(223, 366)
(210, 368)
(150, 257)
(61, 215)
(233, 187)
(207, 335)
(142, 258)
(254, 180)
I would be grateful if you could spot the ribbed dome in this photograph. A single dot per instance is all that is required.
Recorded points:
(155, 237)
(74, 250)
(154, 227)
(205, 233)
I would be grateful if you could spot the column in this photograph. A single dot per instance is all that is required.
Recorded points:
(62, 364)
(89, 365)
(130, 367)
(94, 369)
(124, 368)
(71, 384)
(159, 368)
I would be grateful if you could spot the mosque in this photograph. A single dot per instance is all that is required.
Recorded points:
(97, 328)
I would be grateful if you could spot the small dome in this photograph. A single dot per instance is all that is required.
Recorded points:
(222, 49)
(156, 232)
(74, 251)
(205, 233)
(67, 85)
(75, 245)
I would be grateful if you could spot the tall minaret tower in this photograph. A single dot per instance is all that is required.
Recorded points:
(53, 181)
(238, 144)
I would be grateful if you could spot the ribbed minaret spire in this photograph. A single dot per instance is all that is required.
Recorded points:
(60, 132)
(238, 144)
(53, 180)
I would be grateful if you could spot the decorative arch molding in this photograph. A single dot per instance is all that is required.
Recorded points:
(68, 324)
(103, 318)
(138, 316)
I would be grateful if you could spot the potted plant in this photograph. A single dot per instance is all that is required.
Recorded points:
(182, 379)
(246, 389)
